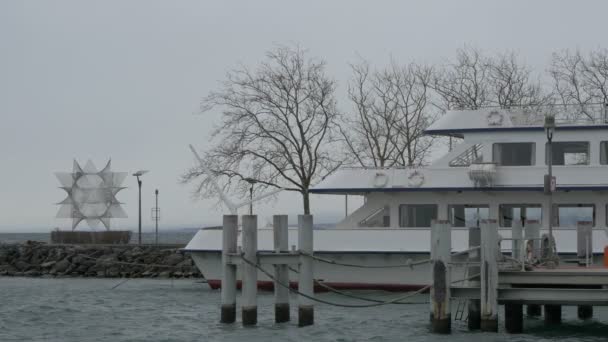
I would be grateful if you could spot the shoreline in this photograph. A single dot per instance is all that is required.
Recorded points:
(35, 259)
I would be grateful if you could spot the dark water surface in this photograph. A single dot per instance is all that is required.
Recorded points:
(73, 309)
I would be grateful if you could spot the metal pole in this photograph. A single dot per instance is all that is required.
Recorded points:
(251, 200)
(157, 212)
(550, 138)
(139, 225)
(345, 205)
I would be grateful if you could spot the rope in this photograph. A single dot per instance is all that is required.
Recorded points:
(393, 301)
(408, 264)
(345, 294)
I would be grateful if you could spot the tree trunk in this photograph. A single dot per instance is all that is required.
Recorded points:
(306, 200)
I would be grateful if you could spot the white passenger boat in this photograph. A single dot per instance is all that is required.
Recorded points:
(495, 172)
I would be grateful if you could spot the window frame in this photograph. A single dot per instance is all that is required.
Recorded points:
(406, 205)
(603, 152)
(451, 219)
(501, 219)
(499, 162)
(557, 206)
(553, 143)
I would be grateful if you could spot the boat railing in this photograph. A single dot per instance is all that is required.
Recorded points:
(565, 114)
(396, 167)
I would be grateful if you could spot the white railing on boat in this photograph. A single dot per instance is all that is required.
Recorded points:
(565, 114)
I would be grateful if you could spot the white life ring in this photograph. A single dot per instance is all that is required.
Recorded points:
(415, 179)
(494, 118)
(380, 180)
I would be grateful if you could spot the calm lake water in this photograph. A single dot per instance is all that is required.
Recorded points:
(37, 309)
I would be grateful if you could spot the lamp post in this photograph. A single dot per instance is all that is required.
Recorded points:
(156, 217)
(137, 175)
(550, 182)
(251, 182)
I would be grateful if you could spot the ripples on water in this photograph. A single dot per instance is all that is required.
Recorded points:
(35, 309)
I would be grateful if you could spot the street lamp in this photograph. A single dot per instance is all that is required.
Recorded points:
(251, 182)
(137, 175)
(550, 182)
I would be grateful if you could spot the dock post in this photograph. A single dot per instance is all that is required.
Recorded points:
(514, 318)
(553, 314)
(532, 233)
(281, 272)
(250, 272)
(441, 318)
(228, 294)
(474, 310)
(584, 252)
(534, 310)
(517, 234)
(489, 276)
(531, 251)
(306, 314)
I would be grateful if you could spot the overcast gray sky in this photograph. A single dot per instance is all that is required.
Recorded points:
(123, 79)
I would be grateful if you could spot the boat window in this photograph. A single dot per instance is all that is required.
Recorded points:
(417, 215)
(568, 215)
(470, 156)
(604, 152)
(569, 153)
(378, 218)
(519, 212)
(467, 215)
(514, 154)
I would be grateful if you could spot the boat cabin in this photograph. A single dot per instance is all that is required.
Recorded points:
(496, 171)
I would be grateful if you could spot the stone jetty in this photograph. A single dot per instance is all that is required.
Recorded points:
(34, 259)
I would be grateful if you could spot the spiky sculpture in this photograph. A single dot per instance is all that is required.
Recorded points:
(91, 195)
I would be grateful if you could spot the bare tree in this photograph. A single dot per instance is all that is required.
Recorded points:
(465, 83)
(390, 116)
(580, 80)
(277, 127)
(512, 83)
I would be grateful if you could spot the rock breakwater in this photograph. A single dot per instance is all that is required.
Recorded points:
(38, 259)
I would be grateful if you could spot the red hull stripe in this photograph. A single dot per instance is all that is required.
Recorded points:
(269, 286)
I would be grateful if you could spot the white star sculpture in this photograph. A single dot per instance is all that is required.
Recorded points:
(91, 195)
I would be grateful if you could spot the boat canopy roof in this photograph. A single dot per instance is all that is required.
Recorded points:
(458, 122)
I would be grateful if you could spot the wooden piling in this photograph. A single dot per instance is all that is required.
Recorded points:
(305, 282)
(514, 318)
(532, 252)
(584, 242)
(281, 272)
(473, 306)
(532, 234)
(553, 314)
(440, 274)
(228, 294)
(584, 252)
(489, 276)
(585, 311)
(517, 234)
(534, 310)
(250, 272)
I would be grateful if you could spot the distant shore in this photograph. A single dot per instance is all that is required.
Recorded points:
(36, 259)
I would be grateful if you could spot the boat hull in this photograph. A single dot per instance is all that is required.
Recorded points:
(374, 248)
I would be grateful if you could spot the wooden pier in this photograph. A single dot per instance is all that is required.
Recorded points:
(499, 282)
